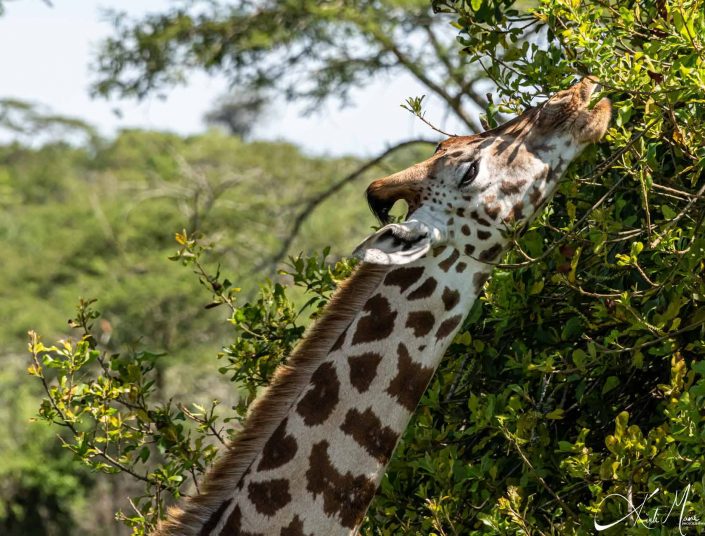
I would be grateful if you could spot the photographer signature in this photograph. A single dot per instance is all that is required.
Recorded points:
(655, 518)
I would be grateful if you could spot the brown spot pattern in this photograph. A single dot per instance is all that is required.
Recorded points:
(511, 187)
(269, 496)
(363, 369)
(460, 267)
(465, 229)
(492, 210)
(411, 380)
(295, 528)
(438, 250)
(447, 326)
(378, 324)
(450, 298)
(450, 261)
(535, 196)
(279, 449)
(479, 279)
(491, 254)
(241, 483)
(404, 277)
(425, 290)
(483, 235)
(554, 172)
(320, 400)
(345, 495)
(367, 431)
(421, 322)
(234, 525)
(213, 520)
(479, 219)
(469, 249)
(339, 343)
(516, 213)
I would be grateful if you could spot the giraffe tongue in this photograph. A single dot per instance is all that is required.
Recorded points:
(396, 243)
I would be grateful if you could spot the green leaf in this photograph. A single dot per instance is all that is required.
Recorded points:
(610, 383)
(556, 414)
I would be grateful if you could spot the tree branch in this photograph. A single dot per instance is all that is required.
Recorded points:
(314, 202)
(387, 44)
(465, 86)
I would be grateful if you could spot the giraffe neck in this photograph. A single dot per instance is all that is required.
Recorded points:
(318, 470)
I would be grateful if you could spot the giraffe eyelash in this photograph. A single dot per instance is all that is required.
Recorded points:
(470, 173)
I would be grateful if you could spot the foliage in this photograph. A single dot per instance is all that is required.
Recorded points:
(35, 498)
(102, 219)
(306, 50)
(580, 373)
(31, 123)
(112, 427)
(110, 405)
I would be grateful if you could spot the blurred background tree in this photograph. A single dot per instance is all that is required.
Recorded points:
(309, 51)
(578, 375)
(238, 114)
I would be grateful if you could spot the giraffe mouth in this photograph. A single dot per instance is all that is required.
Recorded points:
(380, 207)
(382, 195)
(592, 118)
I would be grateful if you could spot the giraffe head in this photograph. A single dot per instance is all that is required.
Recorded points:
(475, 188)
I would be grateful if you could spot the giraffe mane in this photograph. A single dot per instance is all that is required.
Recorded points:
(270, 408)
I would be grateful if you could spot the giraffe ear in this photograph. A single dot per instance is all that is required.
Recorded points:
(396, 243)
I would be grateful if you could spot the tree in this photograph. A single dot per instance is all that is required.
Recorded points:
(307, 50)
(580, 377)
(3, 3)
(237, 113)
(29, 122)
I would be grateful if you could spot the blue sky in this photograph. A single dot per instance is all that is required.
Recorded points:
(45, 57)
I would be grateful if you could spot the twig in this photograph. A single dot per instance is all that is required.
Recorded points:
(433, 127)
(647, 212)
(202, 421)
(539, 477)
(680, 215)
(668, 335)
(101, 452)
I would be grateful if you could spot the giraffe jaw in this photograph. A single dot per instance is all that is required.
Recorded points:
(400, 243)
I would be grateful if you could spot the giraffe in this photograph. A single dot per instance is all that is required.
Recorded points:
(316, 444)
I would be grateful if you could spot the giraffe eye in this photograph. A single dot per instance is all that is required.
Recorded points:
(470, 174)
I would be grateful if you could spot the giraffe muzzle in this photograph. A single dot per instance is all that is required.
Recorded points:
(382, 194)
